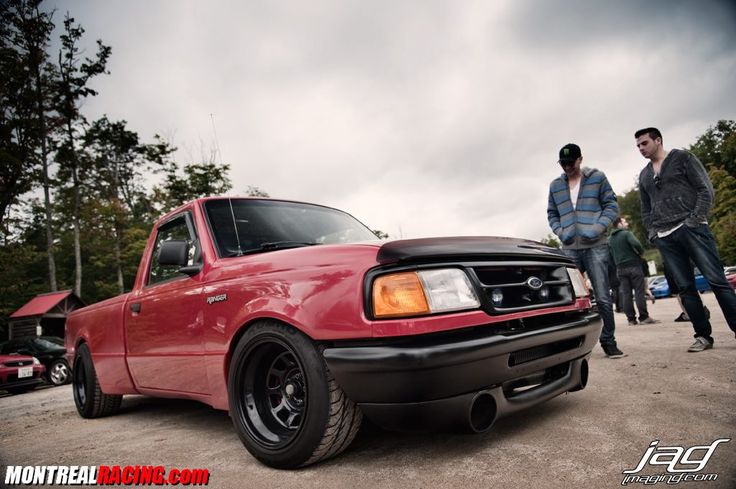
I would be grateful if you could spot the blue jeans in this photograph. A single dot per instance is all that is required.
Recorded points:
(594, 261)
(697, 244)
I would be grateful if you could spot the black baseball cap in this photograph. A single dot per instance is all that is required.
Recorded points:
(569, 152)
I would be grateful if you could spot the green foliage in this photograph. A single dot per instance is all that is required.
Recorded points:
(24, 37)
(551, 240)
(629, 205)
(198, 180)
(717, 147)
(723, 214)
(253, 191)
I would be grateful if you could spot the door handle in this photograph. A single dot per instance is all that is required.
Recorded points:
(135, 307)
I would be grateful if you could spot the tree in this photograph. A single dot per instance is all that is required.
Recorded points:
(253, 191)
(380, 234)
(198, 180)
(629, 205)
(25, 33)
(551, 240)
(716, 148)
(723, 214)
(75, 74)
(116, 166)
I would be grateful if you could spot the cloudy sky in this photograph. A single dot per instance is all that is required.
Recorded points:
(418, 117)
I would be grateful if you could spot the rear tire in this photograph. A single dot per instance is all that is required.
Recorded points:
(285, 405)
(91, 402)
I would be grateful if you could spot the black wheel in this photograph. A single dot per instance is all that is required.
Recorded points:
(287, 409)
(91, 402)
(58, 372)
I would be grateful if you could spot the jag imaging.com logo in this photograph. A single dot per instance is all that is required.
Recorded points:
(683, 465)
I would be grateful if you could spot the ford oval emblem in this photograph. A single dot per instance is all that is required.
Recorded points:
(534, 283)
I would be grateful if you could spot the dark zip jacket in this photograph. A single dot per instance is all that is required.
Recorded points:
(684, 193)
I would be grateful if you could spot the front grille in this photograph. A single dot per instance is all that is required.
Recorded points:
(531, 354)
(525, 286)
(18, 363)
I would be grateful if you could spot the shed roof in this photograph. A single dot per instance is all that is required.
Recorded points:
(41, 304)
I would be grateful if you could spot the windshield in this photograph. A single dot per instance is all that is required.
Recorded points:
(44, 344)
(265, 225)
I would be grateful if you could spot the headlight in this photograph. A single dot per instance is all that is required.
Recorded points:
(578, 282)
(422, 292)
(35, 361)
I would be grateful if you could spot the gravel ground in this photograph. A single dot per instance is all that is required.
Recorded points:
(584, 439)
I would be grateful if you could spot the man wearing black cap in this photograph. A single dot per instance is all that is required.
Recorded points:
(580, 208)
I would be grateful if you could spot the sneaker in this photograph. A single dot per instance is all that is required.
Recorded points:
(649, 320)
(611, 350)
(632, 322)
(700, 345)
(682, 318)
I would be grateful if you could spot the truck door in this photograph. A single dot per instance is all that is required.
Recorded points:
(164, 326)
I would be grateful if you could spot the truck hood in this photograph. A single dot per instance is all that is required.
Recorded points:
(466, 248)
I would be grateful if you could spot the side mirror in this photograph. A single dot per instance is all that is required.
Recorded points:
(174, 252)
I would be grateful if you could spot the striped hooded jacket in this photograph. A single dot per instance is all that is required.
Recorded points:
(585, 225)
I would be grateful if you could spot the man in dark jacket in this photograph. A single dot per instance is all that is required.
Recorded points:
(627, 252)
(676, 196)
(580, 207)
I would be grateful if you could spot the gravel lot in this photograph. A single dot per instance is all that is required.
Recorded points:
(584, 439)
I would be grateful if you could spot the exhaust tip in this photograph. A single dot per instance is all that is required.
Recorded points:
(483, 412)
(583, 377)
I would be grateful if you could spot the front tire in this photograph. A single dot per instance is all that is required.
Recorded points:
(286, 407)
(91, 402)
(58, 373)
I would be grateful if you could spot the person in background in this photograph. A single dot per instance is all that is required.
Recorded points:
(580, 207)
(676, 196)
(627, 255)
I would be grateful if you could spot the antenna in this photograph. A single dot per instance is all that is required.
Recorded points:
(214, 131)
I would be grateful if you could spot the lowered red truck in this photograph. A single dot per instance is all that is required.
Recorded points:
(299, 322)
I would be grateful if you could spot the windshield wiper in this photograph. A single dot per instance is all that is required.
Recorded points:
(279, 245)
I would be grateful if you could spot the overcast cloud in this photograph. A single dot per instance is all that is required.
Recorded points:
(418, 117)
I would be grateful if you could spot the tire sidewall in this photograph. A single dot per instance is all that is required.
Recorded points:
(83, 360)
(316, 415)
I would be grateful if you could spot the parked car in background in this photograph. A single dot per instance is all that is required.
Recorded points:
(49, 353)
(20, 373)
(659, 287)
(54, 339)
(730, 275)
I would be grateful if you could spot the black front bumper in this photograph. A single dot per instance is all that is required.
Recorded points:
(402, 385)
(33, 381)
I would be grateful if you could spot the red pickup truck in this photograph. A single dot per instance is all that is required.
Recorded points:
(296, 319)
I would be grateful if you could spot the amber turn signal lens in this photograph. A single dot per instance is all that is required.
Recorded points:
(399, 294)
